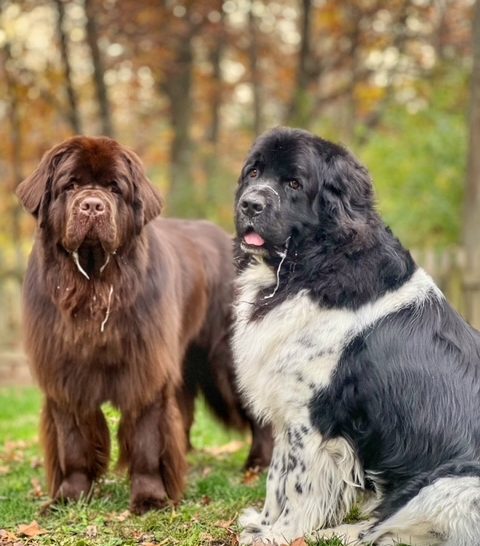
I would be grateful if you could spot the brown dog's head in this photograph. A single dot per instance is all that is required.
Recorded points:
(92, 197)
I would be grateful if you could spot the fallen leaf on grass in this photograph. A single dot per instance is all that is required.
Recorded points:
(226, 449)
(225, 524)
(13, 452)
(36, 462)
(4, 470)
(6, 537)
(299, 542)
(91, 531)
(251, 476)
(118, 517)
(31, 530)
(205, 500)
(36, 491)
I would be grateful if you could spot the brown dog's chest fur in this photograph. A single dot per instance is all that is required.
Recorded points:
(102, 339)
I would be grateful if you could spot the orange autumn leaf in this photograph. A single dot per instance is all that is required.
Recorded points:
(251, 476)
(299, 542)
(31, 530)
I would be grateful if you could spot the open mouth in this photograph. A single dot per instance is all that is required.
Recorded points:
(253, 242)
(90, 259)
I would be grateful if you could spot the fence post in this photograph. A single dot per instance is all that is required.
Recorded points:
(471, 285)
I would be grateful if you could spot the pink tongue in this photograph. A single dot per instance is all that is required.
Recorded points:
(254, 239)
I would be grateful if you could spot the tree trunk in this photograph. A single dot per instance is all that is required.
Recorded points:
(16, 147)
(471, 231)
(212, 157)
(98, 69)
(255, 73)
(299, 113)
(216, 56)
(178, 86)
(73, 113)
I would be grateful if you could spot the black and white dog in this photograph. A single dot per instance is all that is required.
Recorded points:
(370, 379)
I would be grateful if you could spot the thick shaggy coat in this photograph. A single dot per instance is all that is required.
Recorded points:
(370, 379)
(121, 306)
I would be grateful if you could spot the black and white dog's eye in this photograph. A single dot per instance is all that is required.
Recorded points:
(253, 173)
(294, 184)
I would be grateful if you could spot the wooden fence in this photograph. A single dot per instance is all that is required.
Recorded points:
(456, 273)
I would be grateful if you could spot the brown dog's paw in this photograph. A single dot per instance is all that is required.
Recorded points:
(74, 487)
(148, 493)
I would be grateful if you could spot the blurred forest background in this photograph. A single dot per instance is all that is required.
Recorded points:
(188, 84)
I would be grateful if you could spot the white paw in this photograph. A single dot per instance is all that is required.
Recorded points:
(250, 517)
(349, 533)
(271, 535)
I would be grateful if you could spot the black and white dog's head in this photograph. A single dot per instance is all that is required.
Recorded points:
(295, 185)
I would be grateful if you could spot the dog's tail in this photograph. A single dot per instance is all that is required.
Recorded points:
(439, 507)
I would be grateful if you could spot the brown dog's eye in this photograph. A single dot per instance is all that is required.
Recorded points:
(253, 173)
(113, 187)
(294, 184)
(70, 186)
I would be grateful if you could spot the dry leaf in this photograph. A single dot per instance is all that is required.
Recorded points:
(119, 517)
(251, 476)
(31, 530)
(206, 500)
(299, 542)
(36, 462)
(225, 524)
(6, 537)
(226, 449)
(91, 531)
(36, 490)
(4, 470)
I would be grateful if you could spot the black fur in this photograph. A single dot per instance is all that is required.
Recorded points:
(339, 248)
(406, 391)
(407, 394)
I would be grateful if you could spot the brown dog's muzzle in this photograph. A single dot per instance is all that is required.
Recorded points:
(91, 234)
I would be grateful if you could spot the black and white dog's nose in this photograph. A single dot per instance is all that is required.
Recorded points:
(253, 204)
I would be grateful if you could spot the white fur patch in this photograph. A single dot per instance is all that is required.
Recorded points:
(293, 350)
(445, 513)
(282, 359)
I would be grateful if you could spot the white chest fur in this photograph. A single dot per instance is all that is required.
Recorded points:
(282, 358)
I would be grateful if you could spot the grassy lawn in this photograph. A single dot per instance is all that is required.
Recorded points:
(217, 490)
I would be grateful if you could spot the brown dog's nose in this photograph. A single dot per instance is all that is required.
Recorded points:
(92, 206)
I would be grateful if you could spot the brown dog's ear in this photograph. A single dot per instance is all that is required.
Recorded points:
(33, 189)
(147, 201)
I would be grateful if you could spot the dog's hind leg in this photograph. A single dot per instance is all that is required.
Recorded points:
(77, 449)
(445, 513)
(218, 384)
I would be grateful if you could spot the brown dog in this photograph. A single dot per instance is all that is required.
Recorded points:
(119, 307)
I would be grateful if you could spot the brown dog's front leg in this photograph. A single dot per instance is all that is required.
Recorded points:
(152, 443)
(77, 447)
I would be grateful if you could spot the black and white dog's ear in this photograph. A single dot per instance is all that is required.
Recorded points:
(345, 197)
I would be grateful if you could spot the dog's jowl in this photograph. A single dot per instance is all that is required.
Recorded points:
(370, 379)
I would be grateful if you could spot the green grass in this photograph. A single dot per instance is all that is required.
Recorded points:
(207, 516)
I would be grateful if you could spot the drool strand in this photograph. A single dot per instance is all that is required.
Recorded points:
(76, 259)
(283, 255)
